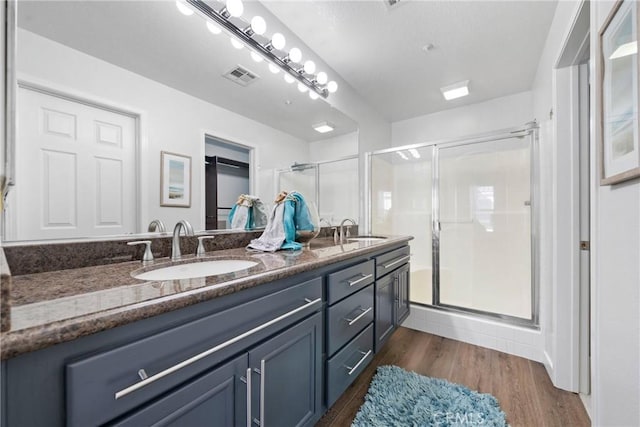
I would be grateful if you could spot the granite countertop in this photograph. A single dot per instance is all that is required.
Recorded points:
(58, 306)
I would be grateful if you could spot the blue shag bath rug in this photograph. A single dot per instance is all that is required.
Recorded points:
(400, 398)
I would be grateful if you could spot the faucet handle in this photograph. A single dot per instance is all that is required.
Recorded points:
(200, 251)
(148, 255)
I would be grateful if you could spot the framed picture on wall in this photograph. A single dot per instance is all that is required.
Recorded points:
(618, 86)
(175, 180)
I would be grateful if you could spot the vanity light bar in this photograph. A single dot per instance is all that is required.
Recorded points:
(287, 66)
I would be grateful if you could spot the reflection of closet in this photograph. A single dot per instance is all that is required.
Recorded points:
(225, 180)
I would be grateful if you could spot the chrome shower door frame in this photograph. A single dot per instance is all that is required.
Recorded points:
(530, 130)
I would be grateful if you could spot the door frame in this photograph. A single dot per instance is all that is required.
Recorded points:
(569, 288)
(253, 167)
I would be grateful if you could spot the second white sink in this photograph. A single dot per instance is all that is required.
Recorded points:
(196, 269)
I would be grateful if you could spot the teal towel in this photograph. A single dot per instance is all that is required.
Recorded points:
(296, 217)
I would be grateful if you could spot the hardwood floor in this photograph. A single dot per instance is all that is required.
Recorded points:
(522, 387)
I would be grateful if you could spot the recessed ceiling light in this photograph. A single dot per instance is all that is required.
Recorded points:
(324, 127)
(455, 90)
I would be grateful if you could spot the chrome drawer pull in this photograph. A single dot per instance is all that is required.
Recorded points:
(360, 316)
(398, 261)
(212, 350)
(262, 390)
(365, 355)
(363, 278)
(249, 397)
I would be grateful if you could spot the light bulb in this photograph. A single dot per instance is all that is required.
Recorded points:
(295, 55)
(302, 88)
(288, 78)
(322, 78)
(313, 95)
(183, 8)
(214, 28)
(256, 56)
(278, 41)
(235, 8)
(309, 67)
(258, 25)
(235, 43)
(274, 68)
(332, 86)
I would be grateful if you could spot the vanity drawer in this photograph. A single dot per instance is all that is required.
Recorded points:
(388, 262)
(347, 281)
(98, 387)
(348, 317)
(348, 363)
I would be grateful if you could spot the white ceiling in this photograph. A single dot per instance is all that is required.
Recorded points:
(378, 51)
(494, 44)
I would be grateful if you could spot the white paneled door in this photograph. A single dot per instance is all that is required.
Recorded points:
(75, 170)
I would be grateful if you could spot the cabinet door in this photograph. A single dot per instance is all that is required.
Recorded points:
(286, 380)
(217, 398)
(402, 294)
(385, 304)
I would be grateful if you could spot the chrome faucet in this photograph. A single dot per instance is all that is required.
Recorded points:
(175, 244)
(342, 234)
(156, 225)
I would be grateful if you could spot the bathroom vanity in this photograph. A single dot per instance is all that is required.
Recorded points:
(274, 345)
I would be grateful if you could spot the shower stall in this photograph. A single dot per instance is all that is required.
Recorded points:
(332, 185)
(470, 205)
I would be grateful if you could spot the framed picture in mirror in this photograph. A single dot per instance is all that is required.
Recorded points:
(618, 87)
(175, 180)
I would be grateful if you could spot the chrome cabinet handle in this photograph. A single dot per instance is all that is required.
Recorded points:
(365, 355)
(248, 397)
(262, 381)
(210, 351)
(398, 261)
(360, 316)
(355, 282)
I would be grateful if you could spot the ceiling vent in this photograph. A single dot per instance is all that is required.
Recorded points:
(241, 76)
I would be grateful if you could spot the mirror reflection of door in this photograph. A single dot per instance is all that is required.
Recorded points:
(226, 177)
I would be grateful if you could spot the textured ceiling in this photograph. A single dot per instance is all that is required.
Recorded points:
(379, 51)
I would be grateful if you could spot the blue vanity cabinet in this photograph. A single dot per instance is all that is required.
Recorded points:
(402, 281)
(277, 354)
(217, 398)
(349, 330)
(286, 376)
(391, 293)
(385, 310)
(277, 383)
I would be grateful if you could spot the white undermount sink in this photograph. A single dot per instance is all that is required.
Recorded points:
(196, 269)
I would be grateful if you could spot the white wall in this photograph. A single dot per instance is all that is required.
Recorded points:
(334, 148)
(172, 121)
(616, 281)
(488, 116)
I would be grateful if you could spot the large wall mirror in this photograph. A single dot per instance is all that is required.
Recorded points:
(104, 87)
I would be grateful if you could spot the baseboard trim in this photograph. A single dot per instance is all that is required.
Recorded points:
(519, 341)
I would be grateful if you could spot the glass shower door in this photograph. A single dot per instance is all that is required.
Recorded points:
(401, 204)
(485, 227)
